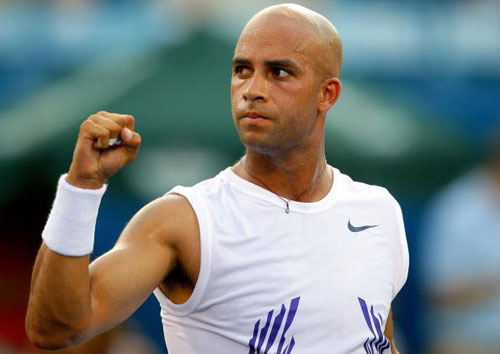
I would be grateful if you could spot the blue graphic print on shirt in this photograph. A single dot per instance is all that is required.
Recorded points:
(379, 342)
(258, 339)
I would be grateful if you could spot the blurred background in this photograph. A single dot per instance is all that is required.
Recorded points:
(419, 114)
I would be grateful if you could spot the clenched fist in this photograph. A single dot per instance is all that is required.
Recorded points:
(95, 159)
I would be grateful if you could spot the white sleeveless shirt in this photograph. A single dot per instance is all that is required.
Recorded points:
(319, 279)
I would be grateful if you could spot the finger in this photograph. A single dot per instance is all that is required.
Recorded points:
(113, 127)
(126, 135)
(125, 120)
(98, 134)
(130, 148)
(131, 140)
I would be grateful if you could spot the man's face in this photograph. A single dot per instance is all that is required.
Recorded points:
(274, 86)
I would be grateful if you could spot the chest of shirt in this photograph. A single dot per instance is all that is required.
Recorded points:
(314, 258)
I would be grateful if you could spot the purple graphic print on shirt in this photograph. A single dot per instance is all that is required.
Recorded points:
(379, 342)
(258, 339)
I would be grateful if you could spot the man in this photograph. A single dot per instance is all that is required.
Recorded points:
(280, 252)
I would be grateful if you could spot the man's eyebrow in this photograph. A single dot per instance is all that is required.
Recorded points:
(240, 60)
(283, 63)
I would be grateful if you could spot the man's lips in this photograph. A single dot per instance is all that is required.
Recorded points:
(253, 115)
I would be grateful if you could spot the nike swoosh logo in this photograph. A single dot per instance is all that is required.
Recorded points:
(358, 228)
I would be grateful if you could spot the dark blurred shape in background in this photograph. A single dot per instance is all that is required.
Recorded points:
(461, 261)
(420, 94)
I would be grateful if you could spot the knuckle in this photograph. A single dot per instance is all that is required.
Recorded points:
(85, 124)
(113, 117)
(105, 133)
(129, 119)
(101, 132)
(115, 129)
(93, 117)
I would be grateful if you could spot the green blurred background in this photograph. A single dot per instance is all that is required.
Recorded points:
(420, 98)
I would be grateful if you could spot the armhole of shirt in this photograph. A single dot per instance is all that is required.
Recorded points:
(194, 300)
(403, 260)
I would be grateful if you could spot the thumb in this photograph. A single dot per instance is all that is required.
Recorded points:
(126, 135)
(131, 141)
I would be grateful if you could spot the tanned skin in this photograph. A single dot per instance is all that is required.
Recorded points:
(285, 79)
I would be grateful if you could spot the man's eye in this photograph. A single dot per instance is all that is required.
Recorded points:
(240, 70)
(280, 72)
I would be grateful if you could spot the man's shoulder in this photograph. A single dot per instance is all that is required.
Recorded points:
(167, 220)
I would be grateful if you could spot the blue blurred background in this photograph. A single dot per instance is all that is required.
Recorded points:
(419, 106)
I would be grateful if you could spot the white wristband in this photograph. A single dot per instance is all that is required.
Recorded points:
(71, 224)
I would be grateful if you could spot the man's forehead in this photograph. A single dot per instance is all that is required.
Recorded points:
(276, 39)
(289, 30)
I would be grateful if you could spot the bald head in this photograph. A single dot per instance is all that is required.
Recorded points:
(315, 35)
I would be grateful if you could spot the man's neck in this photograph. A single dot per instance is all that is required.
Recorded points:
(299, 178)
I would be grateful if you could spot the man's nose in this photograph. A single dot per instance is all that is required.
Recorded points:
(256, 88)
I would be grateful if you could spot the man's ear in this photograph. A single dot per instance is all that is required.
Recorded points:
(330, 92)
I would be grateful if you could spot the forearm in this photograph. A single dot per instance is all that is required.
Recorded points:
(60, 299)
(60, 296)
(389, 332)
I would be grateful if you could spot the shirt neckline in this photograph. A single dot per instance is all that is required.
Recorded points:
(302, 207)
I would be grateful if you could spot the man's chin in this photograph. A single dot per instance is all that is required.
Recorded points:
(262, 147)
(258, 146)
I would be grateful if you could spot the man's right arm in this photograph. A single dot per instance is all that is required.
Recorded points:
(71, 301)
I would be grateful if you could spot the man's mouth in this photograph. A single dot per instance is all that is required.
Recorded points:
(253, 115)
